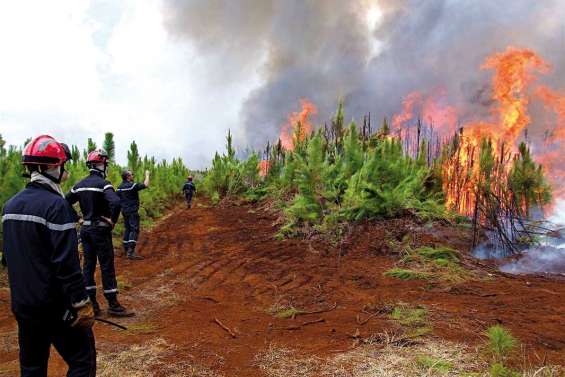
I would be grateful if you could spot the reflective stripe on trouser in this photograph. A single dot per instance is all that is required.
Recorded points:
(97, 245)
(131, 231)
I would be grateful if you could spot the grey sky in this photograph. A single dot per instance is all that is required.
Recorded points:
(175, 74)
(76, 69)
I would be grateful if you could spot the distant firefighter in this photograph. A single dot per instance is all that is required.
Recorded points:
(188, 190)
(128, 191)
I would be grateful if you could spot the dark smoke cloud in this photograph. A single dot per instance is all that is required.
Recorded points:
(321, 50)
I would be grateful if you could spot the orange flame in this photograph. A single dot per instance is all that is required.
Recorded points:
(515, 70)
(263, 167)
(411, 101)
(290, 133)
(432, 109)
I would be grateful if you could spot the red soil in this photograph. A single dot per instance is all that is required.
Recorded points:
(224, 263)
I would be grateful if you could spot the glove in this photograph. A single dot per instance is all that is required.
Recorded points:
(85, 316)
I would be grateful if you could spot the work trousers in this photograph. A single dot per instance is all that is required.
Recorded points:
(188, 199)
(75, 345)
(97, 246)
(131, 232)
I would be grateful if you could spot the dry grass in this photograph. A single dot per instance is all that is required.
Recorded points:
(143, 327)
(146, 360)
(432, 358)
(159, 295)
(124, 283)
(9, 341)
(374, 361)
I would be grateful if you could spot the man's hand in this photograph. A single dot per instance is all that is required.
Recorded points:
(85, 316)
(108, 220)
(146, 182)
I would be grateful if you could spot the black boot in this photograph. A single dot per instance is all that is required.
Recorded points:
(133, 255)
(117, 310)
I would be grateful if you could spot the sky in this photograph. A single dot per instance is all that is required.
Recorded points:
(175, 75)
(76, 69)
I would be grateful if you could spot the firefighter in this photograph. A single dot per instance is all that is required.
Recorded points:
(100, 207)
(41, 250)
(189, 189)
(128, 191)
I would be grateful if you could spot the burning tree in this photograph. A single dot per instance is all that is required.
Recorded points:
(424, 164)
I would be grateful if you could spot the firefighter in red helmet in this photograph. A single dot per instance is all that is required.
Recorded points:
(41, 249)
(100, 207)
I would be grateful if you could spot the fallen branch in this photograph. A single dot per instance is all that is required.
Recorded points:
(298, 327)
(361, 323)
(303, 312)
(227, 329)
(206, 298)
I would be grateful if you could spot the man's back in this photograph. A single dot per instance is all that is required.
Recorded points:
(129, 196)
(40, 244)
(96, 197)
(189, 188)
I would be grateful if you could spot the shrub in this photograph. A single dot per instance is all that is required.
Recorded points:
(405, 274)
(501, 341)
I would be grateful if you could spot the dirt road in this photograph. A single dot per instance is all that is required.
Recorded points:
(210, 272)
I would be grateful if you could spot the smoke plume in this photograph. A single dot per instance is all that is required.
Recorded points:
(330, 50)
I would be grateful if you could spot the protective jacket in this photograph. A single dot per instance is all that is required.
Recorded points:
(189, 188)
(97, 198)
(129, 195)
(41, 247)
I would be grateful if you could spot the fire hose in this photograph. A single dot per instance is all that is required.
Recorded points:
(70, 316)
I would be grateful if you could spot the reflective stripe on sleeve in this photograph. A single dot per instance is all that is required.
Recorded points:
(38, 220)
(107, 187)
(74, 190)
(127, 189)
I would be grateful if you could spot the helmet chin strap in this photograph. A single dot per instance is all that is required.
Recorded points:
(104, 171)
(60, 172)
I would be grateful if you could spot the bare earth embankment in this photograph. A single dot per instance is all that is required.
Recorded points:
(217, 295)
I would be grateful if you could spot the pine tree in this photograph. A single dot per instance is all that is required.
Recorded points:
(229, 147)
(75, 154)
(109, 145)
(134, 160)
(527, 182)
(91, 145)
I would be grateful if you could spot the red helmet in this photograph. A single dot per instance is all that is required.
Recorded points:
(97, 156)
(45, 150)
(189, 178)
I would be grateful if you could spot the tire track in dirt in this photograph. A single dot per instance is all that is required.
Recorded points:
(225, 263)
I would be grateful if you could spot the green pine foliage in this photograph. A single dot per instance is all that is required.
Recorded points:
(338, 175)
(333, 177)
(166, 182)
(388, 184)
(527, 182)
(109, 145)
(229, 177)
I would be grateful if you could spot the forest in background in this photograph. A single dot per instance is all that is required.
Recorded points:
(167, 178)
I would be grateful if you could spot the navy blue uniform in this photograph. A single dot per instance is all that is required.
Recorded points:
(98, 202)
(41, 249)
(188, 189)
(129, 196)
